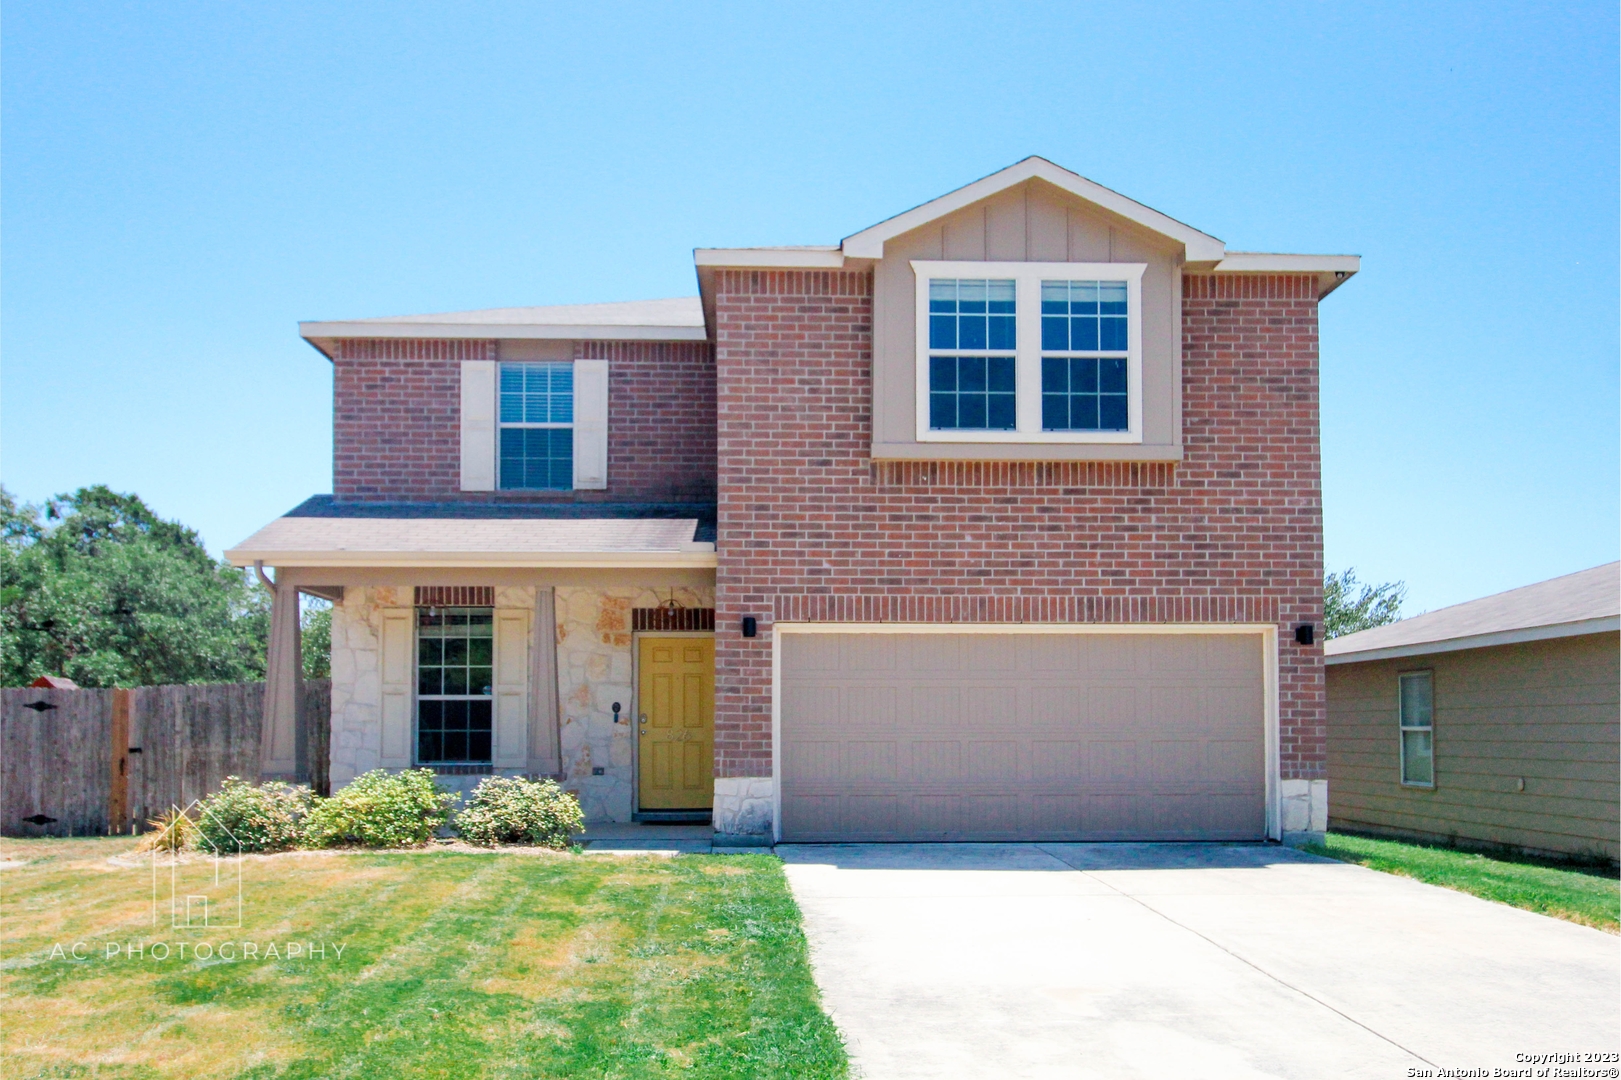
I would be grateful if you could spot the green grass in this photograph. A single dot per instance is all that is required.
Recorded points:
(1587, 895)
(455, 965)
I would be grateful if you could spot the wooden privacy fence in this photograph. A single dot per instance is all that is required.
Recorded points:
(88, 762)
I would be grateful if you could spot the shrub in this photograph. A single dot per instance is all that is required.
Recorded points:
(512, 810)
(172, 831)
(252, 817)
(381, 809)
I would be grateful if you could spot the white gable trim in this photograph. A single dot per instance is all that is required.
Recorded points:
(869, 243)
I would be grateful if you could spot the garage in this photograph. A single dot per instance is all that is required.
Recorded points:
(928, 736)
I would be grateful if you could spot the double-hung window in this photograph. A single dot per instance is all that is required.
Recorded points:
(1415, 693)
(455, 685)
(536, 414)
(1029, 352)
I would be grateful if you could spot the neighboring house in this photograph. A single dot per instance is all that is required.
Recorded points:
(1000, 519)
(1496, 722)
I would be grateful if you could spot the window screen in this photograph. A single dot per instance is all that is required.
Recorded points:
(536, 416)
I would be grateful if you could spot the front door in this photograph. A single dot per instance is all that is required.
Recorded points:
(676, 722)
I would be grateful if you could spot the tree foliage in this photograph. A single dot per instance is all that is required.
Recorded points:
(1345, 610)
(95, 586)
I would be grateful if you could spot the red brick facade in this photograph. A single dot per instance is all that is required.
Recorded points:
(811, 528)
(397, 427)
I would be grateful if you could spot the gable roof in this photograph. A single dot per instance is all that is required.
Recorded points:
(1586, 602)
(869, 242)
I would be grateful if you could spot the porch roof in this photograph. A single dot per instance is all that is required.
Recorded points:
(322, 532)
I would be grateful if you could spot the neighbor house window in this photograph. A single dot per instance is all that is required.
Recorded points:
(1416, 695)
(973, 333)
(1029, 352)
(537, 426)
(1085, 384)
(455, 657)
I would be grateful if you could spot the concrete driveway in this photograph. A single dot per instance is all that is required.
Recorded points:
(1171, 960)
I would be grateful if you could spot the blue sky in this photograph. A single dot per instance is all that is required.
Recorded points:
(184, 182)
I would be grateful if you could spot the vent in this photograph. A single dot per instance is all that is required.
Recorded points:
(658, 618)
(455, 596)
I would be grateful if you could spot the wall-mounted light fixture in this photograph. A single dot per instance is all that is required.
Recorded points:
(751, 627)
(1305, 634)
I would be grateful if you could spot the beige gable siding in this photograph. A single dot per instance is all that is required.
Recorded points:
(1034, 222)
(1547, 712)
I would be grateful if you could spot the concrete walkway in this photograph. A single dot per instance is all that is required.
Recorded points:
(1150, 960)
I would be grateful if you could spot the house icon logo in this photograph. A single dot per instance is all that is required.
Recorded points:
(201, 888)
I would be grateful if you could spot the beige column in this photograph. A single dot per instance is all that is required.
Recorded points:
(545, 753)
(284, 669)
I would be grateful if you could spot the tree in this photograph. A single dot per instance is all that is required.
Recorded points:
(97, 587)
(1345, 611)
(315, 628)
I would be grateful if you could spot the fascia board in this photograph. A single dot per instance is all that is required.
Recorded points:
(1479, 641)
(1258, 262)
(785, 258)
(506, 331)
(432, 560)
(869, 242)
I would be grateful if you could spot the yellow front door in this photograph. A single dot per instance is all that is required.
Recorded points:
(676, 723)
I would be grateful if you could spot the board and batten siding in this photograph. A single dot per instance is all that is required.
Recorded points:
(1545, 712)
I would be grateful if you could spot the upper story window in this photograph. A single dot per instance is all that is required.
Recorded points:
(973, 333)
(1085, 330)
(1029, 352)
(536, 416)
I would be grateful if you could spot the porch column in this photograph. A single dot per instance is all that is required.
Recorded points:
(284, 667)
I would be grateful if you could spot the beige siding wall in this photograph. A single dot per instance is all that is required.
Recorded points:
(1033, 222)
(1547, 713)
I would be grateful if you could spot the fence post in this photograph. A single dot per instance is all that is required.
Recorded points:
(118, 790)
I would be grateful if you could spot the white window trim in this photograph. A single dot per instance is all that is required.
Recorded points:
(1029, 276)
(1402, 729)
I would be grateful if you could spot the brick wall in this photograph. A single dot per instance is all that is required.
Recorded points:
(397, 425)
(811, 528)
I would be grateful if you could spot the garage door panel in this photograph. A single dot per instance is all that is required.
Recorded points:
(870, 816)
(991, 815)
(814, 762)
(875, 652)
(1178, 762)
(1064, 761)
(935, 762)
(868, 762)
(1114, 762)
(992, 762)
(1037, 736)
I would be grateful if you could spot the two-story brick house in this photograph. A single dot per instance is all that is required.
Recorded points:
(1000, 519)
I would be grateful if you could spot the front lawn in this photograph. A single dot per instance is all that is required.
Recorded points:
(1586, 895)
(452, 964)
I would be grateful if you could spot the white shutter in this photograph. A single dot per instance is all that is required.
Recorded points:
(511, 688)
(591, 424)
(398, 645)
(478, 425)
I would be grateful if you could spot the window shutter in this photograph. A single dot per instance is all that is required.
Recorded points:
(511, 688)
(398, 645)
(591, 424)
(478, 425)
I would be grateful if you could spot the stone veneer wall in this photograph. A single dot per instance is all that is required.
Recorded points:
(594, 670)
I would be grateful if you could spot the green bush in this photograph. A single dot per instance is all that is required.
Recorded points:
(512, 810)
(381, 809)
(252, 817)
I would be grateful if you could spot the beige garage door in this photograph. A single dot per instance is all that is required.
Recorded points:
(1022, 737)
